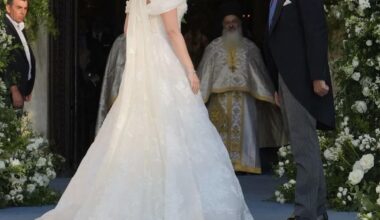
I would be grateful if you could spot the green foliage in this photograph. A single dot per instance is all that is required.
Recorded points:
(39, 15)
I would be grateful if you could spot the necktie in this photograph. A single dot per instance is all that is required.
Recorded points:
(272, 10)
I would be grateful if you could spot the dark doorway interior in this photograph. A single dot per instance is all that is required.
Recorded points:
(99, 22)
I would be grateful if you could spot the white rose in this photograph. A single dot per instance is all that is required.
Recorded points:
(286, 185)
(329, 155)
(378, 201)
(363, 4)
(2, 165)
(366, 91)
(356, 177)
(293, 182)
(355, 143)
(282, 152)
(41, 162)
(367, 162)
(19, 197)
(357, 166)
(281, 171)
(358, 29)
(30, 188)
(377, 131)
(50, 173)
(366, 81)
(378, 189)
(355, 62)
(15, 162)
(277, 193)
(12, 192)
(368, 43)
(45, 180)
(339, 195)
(360, 107)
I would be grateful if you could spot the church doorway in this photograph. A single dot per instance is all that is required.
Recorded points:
(87, 29)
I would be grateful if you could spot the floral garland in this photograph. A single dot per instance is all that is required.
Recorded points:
(352, 153)
(26, 164)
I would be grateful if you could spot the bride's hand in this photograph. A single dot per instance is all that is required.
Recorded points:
(194, 81)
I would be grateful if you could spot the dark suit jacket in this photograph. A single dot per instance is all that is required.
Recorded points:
(18, 67)
(296, 47)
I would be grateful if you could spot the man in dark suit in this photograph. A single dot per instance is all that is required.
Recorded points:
(296, 52)
(20, 73)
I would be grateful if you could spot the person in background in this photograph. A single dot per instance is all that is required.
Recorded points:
(296, 52)
(112, 78)
(238, 92)
(196, 41)
(19, 75)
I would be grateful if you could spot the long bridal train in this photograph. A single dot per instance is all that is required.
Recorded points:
(157, 155)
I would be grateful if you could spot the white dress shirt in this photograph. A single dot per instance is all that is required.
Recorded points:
(19, 27)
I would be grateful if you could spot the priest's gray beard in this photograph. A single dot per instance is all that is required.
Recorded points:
(232, 38)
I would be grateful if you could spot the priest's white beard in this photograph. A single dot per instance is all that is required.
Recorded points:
(232, 38)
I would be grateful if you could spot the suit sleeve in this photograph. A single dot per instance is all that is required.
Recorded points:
(271, 66)
(316, 36)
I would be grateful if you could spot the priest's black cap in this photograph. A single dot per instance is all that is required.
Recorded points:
(230, 7)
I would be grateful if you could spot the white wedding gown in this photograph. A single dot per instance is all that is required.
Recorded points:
(157, 155)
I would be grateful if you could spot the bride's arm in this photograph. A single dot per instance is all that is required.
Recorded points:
(170, 20)
(126, 24)
(127, 8)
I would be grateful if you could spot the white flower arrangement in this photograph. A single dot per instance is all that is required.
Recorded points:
(26, 163)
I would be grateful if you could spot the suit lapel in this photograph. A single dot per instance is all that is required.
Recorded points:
(276, 15)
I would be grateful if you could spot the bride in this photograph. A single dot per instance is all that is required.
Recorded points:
(157, 155)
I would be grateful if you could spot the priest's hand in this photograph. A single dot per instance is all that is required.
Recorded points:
(194, 81)
(320, 87)
(277, 99)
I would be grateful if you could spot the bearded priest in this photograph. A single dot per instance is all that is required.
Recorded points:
(238, 93)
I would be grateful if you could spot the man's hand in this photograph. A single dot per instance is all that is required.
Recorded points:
(194, 81)
(17, 98)
(277, 100)
(28, 98)
(320, 87)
